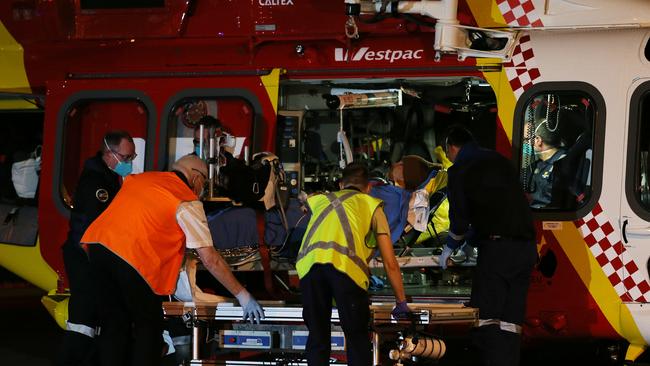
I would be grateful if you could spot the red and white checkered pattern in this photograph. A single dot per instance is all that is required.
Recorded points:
(519, 13)
(606, 246)
(522, 69)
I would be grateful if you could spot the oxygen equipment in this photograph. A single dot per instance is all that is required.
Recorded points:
(413, 346)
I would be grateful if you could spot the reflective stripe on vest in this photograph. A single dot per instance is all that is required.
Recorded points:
(81, 329)
(347, 248)
(504, 326)
(335, 203)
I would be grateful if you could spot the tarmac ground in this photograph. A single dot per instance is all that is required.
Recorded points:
(30, 337)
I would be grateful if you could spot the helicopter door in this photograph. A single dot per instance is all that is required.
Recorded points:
(635, 203)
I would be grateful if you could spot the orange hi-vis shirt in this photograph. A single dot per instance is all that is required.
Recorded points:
(140, 227)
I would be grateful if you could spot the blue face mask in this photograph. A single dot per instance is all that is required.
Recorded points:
(528, 149)
(123, 169)
(197, 151)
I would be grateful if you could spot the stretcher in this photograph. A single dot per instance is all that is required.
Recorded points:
(283, 331)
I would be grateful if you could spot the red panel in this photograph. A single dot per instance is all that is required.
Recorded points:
(53, 224)
(563, 301)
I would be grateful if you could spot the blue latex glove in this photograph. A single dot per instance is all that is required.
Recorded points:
(376, 283)
(252, 310)
(401, 311)
(442, 259)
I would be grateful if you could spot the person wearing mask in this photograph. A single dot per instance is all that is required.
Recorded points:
(487, 206)
(546, 146)
(209, 123)
(344, 230)
(136, 248)
(98, 184)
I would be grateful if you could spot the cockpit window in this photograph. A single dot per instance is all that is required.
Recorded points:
(556, 157)
(638, 168)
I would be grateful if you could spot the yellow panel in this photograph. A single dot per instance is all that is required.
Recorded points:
(57, 306)
(505, 97)
(13, 77)
(13, 104)
(486, 13)
(634, 351)
(27, 263)
(272, 84)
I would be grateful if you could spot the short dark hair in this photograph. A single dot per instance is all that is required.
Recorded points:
(550, 138)
(113, 138)
(458, 135)
(356, 175)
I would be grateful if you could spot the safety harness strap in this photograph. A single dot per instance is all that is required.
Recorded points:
(336, 204)
(341, 250)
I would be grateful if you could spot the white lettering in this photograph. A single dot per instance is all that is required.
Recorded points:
(275, 2)
(396, 56)
(359, 55)
(364, 53)
(339, 55)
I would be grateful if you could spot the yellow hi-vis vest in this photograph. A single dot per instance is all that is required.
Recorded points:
(339, 233)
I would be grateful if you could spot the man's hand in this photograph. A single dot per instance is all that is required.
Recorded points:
(401, 311)
(252, 310)
(444, 256)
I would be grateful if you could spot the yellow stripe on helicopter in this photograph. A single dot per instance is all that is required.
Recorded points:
(13, 77)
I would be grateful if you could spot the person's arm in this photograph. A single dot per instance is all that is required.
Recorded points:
(391, 266)
(218, 267)
(458, 212)
(191, 218)
(92, 196)
(381, 229)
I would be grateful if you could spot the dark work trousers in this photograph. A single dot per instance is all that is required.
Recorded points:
(130, 313)
(78, 341)
(499, 291)
(322, 283)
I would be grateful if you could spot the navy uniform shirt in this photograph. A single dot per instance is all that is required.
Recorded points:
(542, 180)
(486, 198)
(95, 190)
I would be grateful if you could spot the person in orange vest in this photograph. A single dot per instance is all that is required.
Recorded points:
(136, 248)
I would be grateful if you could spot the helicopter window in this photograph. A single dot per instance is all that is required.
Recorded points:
(556, 154)
(228, 120)
(20, 135)
(638, 169)
(85, 125)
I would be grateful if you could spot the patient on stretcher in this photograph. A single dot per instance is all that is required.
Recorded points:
(415, 203)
